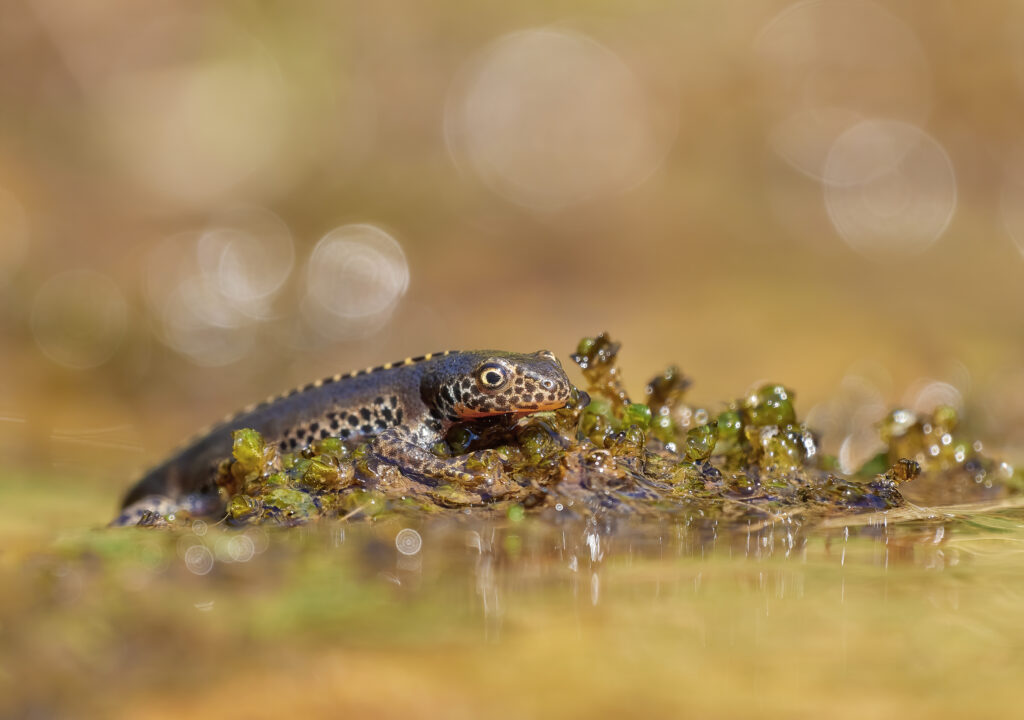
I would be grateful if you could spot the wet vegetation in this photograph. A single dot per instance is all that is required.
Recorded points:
(710, 539)
(747, 460)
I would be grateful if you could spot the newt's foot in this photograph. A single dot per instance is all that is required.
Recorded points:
(145, 510)
(445, 470)
(396, 447)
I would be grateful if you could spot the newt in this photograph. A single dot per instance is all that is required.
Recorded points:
(404, 407)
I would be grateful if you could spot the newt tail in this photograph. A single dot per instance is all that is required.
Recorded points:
(405, 407)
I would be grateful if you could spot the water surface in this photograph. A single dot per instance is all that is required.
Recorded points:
(907, 614)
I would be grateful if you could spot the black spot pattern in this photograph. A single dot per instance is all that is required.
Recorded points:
(381, 414)
(447, 383)
(520, 383)
(527, 389)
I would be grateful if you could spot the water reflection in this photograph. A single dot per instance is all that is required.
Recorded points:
(571, 591)
(592, 558)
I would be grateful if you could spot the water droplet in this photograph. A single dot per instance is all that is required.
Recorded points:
(199, 559)
(408, 541)
(241, 548)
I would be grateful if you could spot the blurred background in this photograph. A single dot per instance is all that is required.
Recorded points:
(202, 204)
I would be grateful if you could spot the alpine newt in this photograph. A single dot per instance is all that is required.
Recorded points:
(405, 407)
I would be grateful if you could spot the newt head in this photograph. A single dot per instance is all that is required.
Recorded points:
(481, 384)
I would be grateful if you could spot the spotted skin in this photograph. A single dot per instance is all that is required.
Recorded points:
(381, 413)
(405, 407)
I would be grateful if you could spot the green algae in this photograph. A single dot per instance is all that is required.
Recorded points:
(701, 441)
(604, 453)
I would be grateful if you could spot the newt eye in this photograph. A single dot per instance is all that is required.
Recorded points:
(492, 376)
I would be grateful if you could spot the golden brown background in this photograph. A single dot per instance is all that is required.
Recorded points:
(203, 203)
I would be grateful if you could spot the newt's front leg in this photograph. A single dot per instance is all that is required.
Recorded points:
(398, 446)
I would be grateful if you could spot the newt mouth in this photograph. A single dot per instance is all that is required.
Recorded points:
(469, 414)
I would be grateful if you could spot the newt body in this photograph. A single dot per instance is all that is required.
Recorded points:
(406, 407)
